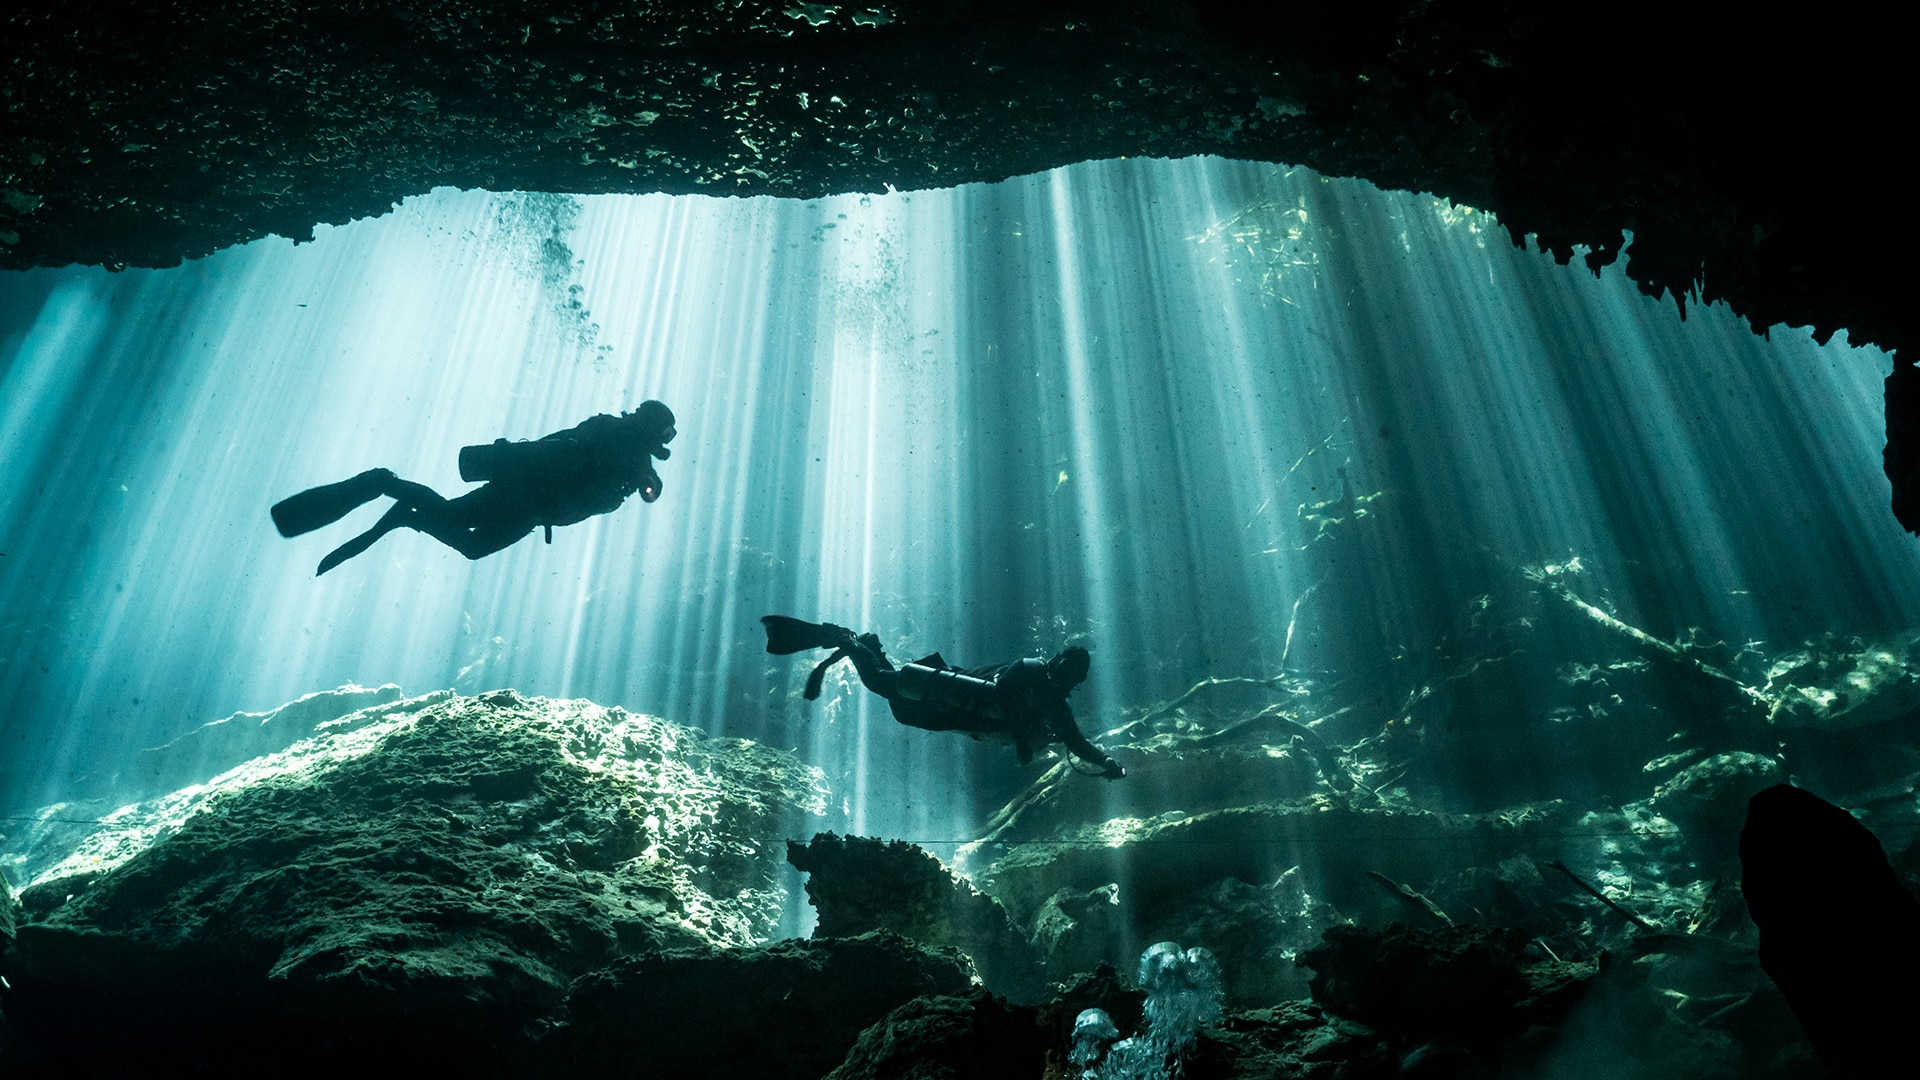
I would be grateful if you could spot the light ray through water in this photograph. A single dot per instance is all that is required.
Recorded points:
(1157, 407)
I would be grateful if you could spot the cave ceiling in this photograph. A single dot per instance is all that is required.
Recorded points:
(1750, 158)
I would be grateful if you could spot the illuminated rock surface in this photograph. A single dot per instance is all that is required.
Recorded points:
(448, 868)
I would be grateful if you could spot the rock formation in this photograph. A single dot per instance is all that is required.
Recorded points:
(859, 884)
(428, 879)
(1839, 932)
(142, 134)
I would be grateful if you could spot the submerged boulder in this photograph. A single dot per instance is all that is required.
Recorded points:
(428, 884)
(859, 884)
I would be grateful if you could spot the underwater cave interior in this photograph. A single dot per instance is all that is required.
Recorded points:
(1425, 581)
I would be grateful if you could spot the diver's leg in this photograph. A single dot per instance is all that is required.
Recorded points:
(476, 524)
(870, 660)
(409, 493)
(480, 539)
(412, 502)
(471, 525)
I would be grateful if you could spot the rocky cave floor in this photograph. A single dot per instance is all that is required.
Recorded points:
(1513, 855)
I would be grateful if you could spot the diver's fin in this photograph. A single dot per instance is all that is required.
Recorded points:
(328, 503)
(786, 635)
(388, 522)
(932, 660)
(819, 674)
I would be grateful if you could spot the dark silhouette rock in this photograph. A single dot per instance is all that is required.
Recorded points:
(979, 1034)
(1839, 933)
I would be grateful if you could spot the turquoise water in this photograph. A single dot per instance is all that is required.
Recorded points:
(1207, 418)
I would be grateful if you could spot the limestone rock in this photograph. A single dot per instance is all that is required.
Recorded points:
(438, 875)
(1159, 862)
(1165, 773)
(860, 884)
(1077, 930)
(786, 1011)
(1255, 932)
(96, 832)
(6, 948)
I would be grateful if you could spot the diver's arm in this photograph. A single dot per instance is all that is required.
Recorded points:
(1070, 735)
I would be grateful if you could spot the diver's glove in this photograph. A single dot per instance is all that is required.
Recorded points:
(1112, 770)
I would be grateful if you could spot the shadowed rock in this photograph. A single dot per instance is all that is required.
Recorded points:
(786, 1011)
(1469, 983)
(979, 1034)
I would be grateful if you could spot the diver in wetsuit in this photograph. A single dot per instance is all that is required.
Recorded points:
(1024, 700)
(562, 479)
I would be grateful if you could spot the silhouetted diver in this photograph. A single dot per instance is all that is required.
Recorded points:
(1024, 700)
(562, 479)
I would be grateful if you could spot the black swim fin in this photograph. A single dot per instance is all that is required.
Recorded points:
(328, 503)
(818, 675)
(391, 520)
(787, 635)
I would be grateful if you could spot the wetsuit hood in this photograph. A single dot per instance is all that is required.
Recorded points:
(1069, 667)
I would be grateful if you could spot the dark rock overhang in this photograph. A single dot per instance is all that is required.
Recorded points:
(1749, 158)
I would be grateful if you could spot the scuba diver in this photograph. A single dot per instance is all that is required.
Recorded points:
(1024, 701)
(562, 479)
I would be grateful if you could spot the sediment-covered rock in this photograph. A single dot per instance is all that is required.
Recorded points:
(429, 881)
(1836, 684)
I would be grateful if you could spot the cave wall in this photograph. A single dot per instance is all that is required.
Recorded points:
(1748, 158)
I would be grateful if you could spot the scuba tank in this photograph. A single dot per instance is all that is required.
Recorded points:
(945, 688)
(499, 458)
